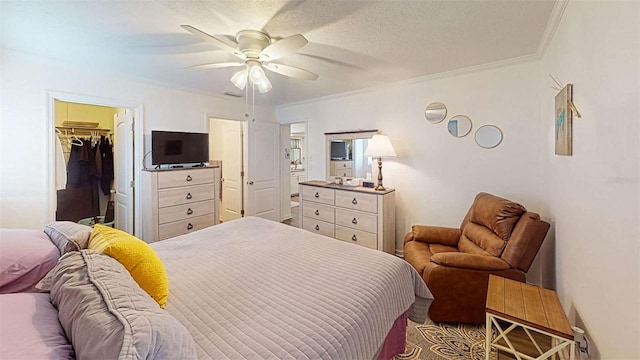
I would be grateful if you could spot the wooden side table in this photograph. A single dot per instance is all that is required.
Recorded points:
(530, 307)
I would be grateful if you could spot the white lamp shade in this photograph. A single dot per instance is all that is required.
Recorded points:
(264, 85)
(380, 146)
(239, 79)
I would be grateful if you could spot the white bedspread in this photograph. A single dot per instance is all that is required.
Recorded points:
(253, 288)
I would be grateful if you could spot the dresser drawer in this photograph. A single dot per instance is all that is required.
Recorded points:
(170, 179)
(363, 238)
(357, 201)
(176, 228)
(343, 172)
(318, 227)
(185, 211)
(318, 194)
(318, 212)
(184, 195)
(340, 165)
(357, 220)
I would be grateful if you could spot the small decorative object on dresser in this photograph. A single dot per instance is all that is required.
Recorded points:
(182, 200)
(358, 215)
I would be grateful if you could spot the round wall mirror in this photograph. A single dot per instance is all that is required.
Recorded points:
(459, 126)
(488, 136)
(435, 112)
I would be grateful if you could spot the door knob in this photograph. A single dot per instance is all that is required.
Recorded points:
(317, 212)
(317, 195)
(189, 196)
(317, 227)
(250, 182)
(190, 226)
(354, 201)
(354, 238)
(354, 221)
(189, 178)
(189, 211)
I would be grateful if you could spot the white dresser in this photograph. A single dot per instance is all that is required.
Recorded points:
(180, 201)
(357, 215)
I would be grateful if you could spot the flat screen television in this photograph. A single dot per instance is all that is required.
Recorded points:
(171, 147)
(339, 150)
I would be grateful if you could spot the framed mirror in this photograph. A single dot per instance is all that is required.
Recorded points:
(488, 136)
(435, 112)
(345, 154)
(459, 126)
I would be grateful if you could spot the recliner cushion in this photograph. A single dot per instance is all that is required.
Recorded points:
(498, 214)
(484, 238)
(417, 254)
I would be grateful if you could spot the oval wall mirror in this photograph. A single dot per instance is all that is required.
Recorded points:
(459, 126)
(435, 112)
(488, 136)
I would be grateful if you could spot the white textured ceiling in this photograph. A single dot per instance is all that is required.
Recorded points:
(352, 44)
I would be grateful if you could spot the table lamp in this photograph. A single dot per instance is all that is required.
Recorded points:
(380, 147)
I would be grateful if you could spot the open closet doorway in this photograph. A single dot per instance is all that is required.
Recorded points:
(226, 146)
(93, 163)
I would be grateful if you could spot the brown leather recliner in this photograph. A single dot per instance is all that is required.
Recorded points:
(497, 236)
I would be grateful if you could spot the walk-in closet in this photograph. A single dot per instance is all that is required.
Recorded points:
(85, 162)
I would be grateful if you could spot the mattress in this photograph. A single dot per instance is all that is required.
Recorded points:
(253, 288)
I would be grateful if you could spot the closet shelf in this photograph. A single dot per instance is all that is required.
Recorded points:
(70, 130)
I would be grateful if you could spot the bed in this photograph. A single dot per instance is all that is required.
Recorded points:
(254, 289)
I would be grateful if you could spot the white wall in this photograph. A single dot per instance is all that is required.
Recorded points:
(593, 196)
(24, 139)
(436, 175)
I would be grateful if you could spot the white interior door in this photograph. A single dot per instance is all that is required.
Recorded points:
(123, 174)
(263, 178)
(231, 138)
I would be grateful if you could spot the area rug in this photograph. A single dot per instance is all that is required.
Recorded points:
(432, 341)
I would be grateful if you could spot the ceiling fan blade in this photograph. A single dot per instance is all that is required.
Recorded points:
(216, 65)
(283, 47)
(213, 40)
(291, 71)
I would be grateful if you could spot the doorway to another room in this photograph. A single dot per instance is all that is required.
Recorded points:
(226, 149)
(297, 162)
(94, 164)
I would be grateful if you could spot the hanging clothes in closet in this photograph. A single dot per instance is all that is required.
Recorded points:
(80, 199)
(105, 149)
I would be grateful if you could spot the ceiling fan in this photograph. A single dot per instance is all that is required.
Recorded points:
(256, 50)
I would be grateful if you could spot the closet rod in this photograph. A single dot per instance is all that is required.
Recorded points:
(82, 131)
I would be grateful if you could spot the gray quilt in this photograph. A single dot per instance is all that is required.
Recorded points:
(253, 288)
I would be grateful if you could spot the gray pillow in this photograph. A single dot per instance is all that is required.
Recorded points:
(106, 315)
(68, 236)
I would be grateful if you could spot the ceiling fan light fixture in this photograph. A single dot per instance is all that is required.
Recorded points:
(264, 85)
(256, 73)
(239, 79)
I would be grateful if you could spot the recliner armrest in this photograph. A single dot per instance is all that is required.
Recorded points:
(434, 235)
(469, 261)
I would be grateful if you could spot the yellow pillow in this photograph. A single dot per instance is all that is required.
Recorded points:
(135, 255)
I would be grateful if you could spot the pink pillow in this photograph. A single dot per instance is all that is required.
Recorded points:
(26, 256)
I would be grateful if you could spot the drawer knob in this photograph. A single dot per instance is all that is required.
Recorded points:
(317, 212)
(354, 221)
(189, 178)
(354, 238)
(317, 195)
(190, 226)
(317, 227)
(189, 211)
(354, 201)
(189, 196)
